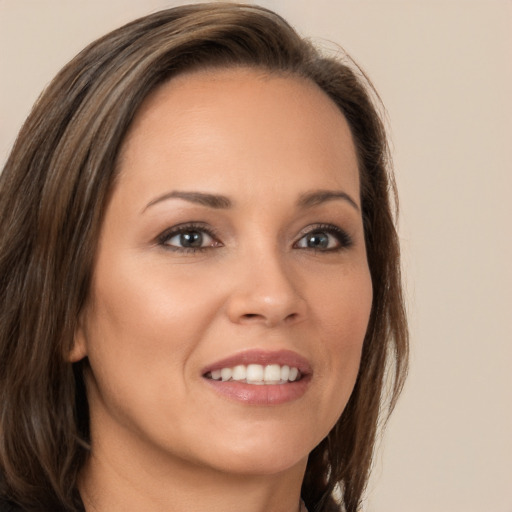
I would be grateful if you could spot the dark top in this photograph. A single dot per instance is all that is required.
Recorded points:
(7, 506)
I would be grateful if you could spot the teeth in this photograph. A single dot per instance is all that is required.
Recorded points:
(254, 373)
(272, 373)
(257, 374)
(293, 374)
(226, 373)
(239, 372)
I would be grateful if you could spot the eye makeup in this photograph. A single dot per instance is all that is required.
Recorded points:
(189, 237)
(324, 238)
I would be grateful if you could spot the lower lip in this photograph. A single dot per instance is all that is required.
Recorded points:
(264, 394)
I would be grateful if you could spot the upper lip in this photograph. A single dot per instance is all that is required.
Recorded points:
(263, 357)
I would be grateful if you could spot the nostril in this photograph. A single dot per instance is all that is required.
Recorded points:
(292, 318)
(255, 317)
(254, 308)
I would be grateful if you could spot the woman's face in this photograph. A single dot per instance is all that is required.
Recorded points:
(232, 247)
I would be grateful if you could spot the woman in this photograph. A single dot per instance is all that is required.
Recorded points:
(201, 297)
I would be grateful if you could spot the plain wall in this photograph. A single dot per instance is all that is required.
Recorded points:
(444, 71)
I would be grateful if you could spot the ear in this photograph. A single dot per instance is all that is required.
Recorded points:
(79, 349)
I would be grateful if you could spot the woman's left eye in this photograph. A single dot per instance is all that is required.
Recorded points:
(188, 239)
(328, 238)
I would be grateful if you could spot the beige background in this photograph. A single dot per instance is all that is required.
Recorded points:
(444, 70)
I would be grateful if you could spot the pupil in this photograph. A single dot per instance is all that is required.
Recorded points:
(318, 240)
(191, 239)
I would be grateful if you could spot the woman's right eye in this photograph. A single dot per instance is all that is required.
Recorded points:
(188, 239)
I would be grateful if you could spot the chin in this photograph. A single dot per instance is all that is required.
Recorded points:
(262, 453)
(264, 464)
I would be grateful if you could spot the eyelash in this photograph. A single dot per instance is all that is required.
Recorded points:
(342, 237)
(170, 233)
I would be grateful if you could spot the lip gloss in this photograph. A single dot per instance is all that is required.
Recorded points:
(261, 393)
(264, 394)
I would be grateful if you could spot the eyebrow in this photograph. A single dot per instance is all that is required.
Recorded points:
(317, 197)
(209, 200)
(307, 200)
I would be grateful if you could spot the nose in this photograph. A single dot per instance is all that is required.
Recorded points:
(265, 291)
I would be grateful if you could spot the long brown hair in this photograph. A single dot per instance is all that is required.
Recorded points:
(53, 193)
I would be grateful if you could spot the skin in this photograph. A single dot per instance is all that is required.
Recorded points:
(162, 438)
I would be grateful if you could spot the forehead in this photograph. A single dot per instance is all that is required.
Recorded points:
(228, 121)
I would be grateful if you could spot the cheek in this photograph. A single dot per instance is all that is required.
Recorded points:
(141, 332)
(343, 307)
(149, 300)
(145, 324)
(343, 316)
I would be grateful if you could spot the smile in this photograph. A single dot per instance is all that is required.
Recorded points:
(256, 374)
(260, 377)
